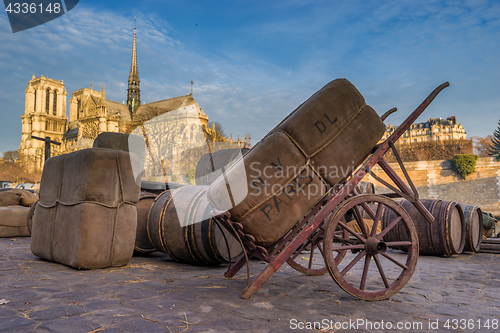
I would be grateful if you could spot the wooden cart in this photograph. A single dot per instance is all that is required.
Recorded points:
(326, 230)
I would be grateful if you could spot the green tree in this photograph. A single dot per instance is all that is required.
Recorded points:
(191, 176)
(464, 164)
(495, 142)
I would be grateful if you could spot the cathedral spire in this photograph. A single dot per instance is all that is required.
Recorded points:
(103, 95)
(133, 92)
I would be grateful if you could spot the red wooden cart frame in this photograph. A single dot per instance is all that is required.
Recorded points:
(325, 227)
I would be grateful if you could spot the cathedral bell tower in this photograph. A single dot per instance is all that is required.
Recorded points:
(133, 91)
(44, 116)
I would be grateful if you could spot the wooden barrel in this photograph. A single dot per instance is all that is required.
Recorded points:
(210, 163)
(142, 242)
(473, 217)
(180, 225)
(365, 188)
(443, 237)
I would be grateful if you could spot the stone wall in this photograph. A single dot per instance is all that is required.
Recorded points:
(437, 180)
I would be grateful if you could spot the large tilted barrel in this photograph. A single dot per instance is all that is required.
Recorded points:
(208, 165)
(443, 237)
(142, 242)
(180, 225)
(282, 177)
(473, 217)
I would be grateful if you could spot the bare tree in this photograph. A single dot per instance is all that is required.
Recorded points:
(11, 156)
(175, 141)
(219, 130)
(482, 145)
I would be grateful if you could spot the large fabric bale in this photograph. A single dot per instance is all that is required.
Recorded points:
(120, 141)
(280, 179)
(211, 165)
(86, 216)
(13, 221)
(17, 196)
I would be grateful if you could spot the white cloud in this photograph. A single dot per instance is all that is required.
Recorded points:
(395, 52)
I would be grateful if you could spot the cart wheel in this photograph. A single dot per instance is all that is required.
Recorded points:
(303, 259)
(391, 269)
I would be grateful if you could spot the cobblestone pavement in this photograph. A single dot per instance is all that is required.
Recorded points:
(155, 294)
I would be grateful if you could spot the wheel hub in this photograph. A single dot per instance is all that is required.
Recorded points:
(374, 246)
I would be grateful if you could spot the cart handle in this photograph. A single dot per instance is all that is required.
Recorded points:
(415, 114)
(388, 113)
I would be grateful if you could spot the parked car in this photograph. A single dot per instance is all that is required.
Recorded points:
(5, 184)
(25, 186)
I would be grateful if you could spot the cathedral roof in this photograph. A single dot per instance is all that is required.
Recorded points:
(119, 109)
(151, 110)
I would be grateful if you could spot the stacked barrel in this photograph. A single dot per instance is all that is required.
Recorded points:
(457, 227)
(178, 223)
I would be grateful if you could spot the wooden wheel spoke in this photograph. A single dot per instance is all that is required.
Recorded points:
(365, 272)
(337, 239)
(381, 271)
(367, 282)
(349, 247)
(368, 210)
(376, 220)
(311, 257)
(402, 243)
(352, 232)
(389, 227)
(361, 222)
(394, 261)
(321, 250)
(301, 248)
(337, 233)
(353, 262)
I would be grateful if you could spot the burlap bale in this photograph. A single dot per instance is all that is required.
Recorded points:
(17, 196)
(86, 216)
(369, 225)
(13, 221)
(335, 129)
(210, 165)
(120, 141)
(290, 170)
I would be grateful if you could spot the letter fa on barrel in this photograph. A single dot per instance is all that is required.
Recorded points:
(320, 125)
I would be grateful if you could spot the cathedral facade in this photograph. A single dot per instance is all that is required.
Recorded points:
(90, 114)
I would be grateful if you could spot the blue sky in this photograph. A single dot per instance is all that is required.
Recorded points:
(253, 62)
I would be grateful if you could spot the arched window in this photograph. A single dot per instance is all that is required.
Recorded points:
(47, 101)
(54, 108)
(34, 104)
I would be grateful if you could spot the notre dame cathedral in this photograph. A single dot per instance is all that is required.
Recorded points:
(90, 114)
